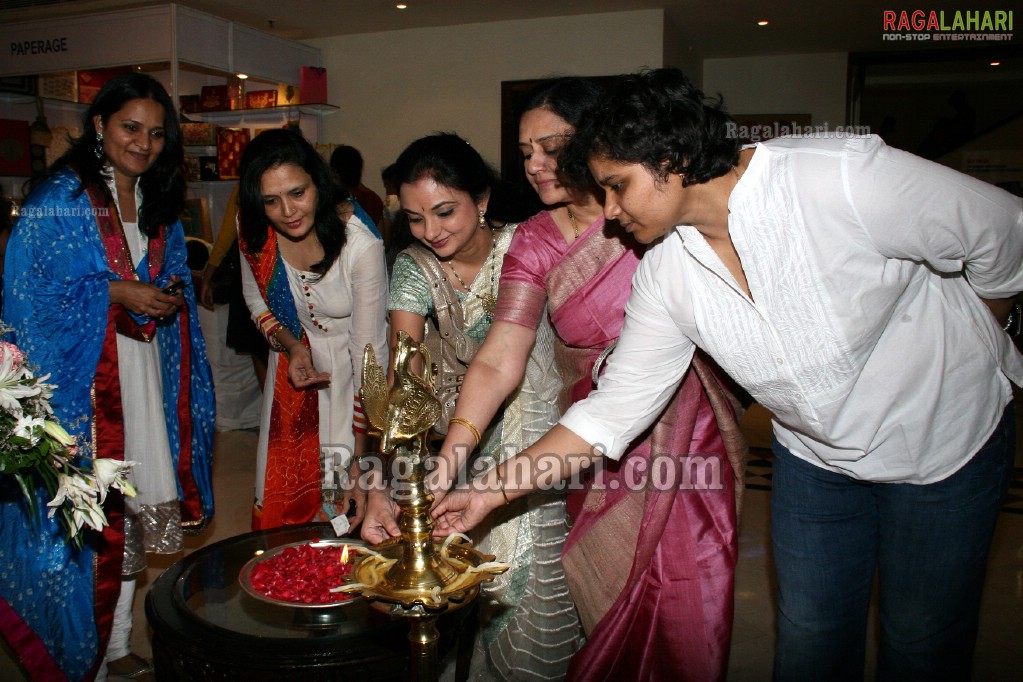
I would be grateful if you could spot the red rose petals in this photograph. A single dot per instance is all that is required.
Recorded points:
(303, 575)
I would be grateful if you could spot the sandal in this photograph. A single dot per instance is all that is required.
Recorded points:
(130, 667)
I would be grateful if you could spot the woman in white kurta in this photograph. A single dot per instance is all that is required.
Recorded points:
(320, 300)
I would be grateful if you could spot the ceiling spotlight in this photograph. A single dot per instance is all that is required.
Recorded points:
(996, 63)
(762, 23)
(242, 76)
(401, 5)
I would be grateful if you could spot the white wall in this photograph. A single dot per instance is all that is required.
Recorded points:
(790, 84)
(680, 53)
(396, 86)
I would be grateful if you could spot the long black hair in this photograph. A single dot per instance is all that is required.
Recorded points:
(163, 185)
(278, 147)
(659, 119)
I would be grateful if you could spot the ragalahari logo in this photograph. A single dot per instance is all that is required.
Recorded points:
(941, 25)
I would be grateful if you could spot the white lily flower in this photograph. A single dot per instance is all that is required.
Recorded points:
(89, 515)
(111, 472)
(13, 384)
(58, 433)
(27, 427)
(77, 489)
(64, 485)
(27, 417)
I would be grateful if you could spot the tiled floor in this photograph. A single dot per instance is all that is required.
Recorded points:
(999, 652)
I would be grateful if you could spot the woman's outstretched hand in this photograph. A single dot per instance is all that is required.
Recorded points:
(301, 371)
(460, 511)
(381, 520)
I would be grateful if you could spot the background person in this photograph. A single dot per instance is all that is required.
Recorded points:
(346, 162)
(84, 297)
(242, 335)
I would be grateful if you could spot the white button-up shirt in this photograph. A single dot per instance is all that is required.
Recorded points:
(865, 337)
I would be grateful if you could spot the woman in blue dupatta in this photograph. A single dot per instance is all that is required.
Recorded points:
(97, 242)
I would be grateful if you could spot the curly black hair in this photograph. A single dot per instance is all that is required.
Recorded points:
(163, 185)
(278, 147)
(659, 119)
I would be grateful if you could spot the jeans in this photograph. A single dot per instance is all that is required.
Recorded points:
(928, 545)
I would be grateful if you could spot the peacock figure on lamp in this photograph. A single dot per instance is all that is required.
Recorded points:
(412, 575)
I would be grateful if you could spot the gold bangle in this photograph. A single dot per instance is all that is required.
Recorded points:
(469, 425)
(274, 342)
(500, 484)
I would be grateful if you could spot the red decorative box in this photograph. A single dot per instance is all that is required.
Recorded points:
(90, 82)
(189, 103)
(196, 134)
(14, 156)
(261, 99)
(312, 84)
(287, 94)
(215, 98)
(231, 143)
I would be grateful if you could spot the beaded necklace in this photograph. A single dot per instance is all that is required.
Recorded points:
(489, 299)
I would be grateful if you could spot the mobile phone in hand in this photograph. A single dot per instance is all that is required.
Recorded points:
(174, 288)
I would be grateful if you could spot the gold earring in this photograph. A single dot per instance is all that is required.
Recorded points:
(482, 220)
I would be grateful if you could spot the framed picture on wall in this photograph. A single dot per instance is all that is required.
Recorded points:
(196, 220)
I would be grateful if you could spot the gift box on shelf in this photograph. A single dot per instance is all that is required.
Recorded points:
(287, 94)
(19, 85)
(261, 99)
(312, 83)
(198, 134)
(90, 82)
(193, 169)
(231, 143)
(14, 152)
(62, 85)
(189, 104)
(215, 98)
(208, 168)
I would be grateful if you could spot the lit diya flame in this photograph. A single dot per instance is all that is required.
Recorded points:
(344, 555)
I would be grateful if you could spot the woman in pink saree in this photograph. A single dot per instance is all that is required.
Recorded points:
(650, 567)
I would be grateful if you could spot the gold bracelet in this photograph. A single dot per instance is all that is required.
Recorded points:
(469, 425)
(275, 343)
(500, 484)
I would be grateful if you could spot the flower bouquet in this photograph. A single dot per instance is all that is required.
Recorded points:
(35, 449)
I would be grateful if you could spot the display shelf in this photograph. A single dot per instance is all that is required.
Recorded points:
(262, 114)
(184, 49)
(51, 103)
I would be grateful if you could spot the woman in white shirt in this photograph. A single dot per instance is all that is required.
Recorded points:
(857, 292)
(317, 288)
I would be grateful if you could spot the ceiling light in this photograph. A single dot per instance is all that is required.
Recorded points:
(242, 76)
(996, 63)
(401, 5)
(762, 23)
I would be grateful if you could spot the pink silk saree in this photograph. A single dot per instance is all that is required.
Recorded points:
(651, 570)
